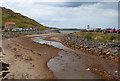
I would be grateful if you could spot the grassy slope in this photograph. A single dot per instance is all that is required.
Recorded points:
(21, 21)
(100, 36)
(0, 20)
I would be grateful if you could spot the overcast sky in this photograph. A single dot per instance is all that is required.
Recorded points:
(68, 13)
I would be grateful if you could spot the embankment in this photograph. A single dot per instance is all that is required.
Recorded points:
(101, 49)
(23, 33)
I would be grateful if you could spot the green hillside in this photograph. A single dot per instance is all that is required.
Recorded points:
(20, 20)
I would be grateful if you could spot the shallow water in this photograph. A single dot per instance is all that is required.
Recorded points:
(68, 66)
(55, 44)
(73, 64)
(69, 31)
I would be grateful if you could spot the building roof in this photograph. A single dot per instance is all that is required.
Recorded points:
(10, 23)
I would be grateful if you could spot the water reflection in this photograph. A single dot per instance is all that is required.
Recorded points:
(73, 64)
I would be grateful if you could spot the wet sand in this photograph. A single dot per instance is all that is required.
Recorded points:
(27, 59)
(31, 60)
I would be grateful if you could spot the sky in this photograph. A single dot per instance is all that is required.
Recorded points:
(68, 13)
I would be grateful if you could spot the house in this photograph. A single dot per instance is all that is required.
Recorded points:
(94, 29)
(10, 25)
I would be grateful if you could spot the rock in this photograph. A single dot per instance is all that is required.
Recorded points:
(108, 53)
(0, 49)
(116, 71)
(4, 74)
(88, 69)
(101, 48)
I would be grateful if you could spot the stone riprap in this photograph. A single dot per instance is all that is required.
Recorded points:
(101, 49)
(17, 34)
(22, 33)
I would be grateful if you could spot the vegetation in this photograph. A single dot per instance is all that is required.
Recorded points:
(21, 21)
(99, 36)
(28, 59)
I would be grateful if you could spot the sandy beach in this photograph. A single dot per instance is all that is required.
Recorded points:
(27, 59)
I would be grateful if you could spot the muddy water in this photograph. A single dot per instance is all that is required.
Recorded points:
(74, 64)
(68, 66)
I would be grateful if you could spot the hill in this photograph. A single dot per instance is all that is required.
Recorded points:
(20, 20)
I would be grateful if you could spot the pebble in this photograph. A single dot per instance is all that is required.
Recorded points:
(88, 69)
(115, 71)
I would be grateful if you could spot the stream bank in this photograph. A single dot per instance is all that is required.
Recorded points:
(75, 64)
(104, 50)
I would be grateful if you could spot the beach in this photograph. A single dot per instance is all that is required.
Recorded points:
(31, 60)
(27, 59)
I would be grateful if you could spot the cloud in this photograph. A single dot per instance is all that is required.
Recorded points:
(59, 1)
(67, 14)
(64, 4)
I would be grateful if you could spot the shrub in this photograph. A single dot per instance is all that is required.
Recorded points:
(112, 37)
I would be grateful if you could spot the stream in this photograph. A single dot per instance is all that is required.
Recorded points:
(73, 64)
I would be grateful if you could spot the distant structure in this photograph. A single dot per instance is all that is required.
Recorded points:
(10, 25)
(88, 26)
